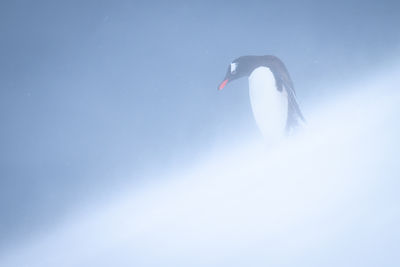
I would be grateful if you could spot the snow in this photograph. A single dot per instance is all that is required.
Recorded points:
(325, 197)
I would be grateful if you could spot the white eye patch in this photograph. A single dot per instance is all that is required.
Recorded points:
(233, 67)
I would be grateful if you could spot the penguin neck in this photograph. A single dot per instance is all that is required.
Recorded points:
(270, 106)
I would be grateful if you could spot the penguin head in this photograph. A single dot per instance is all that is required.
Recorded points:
(240, 67)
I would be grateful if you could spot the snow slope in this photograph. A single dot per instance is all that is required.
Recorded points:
(325, 197)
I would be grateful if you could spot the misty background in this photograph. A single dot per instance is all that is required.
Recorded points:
(98, 94)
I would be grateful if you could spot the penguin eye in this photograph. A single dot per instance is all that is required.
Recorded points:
(233, 68)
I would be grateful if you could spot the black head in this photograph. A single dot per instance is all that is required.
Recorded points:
(244, 66)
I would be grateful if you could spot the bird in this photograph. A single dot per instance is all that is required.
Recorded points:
(272, 95)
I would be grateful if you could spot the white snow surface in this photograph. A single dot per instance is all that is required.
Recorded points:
(325, 197)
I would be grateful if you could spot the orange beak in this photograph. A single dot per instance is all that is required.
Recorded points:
(222, 85)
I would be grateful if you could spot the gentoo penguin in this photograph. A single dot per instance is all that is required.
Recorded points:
(272, 95)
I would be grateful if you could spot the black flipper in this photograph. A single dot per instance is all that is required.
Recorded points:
(294, 113)
(284, 82)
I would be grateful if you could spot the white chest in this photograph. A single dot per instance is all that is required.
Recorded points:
(270, 107)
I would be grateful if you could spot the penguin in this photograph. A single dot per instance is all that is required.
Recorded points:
(272, 95)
